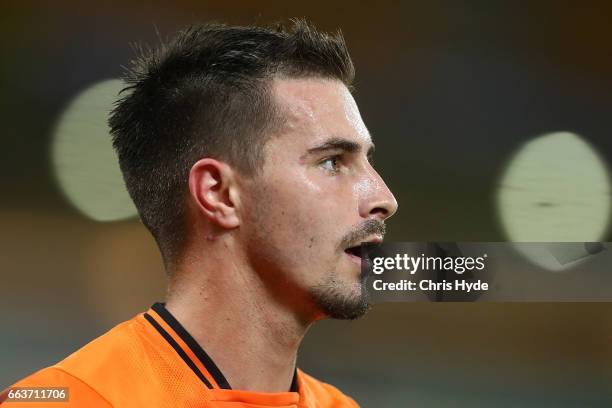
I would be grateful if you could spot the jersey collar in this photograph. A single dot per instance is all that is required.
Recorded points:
(189, 350)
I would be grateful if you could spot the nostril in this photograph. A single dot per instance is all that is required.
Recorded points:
(379, 210)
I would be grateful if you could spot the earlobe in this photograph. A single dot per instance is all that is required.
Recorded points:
(212, 192)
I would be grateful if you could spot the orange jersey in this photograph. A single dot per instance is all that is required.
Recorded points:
(152, 361)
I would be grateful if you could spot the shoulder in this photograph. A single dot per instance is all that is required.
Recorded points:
(78, 393)
(112, 352)
(323, 393)
(87, 372)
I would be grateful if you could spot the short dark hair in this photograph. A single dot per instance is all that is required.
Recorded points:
(207, 93)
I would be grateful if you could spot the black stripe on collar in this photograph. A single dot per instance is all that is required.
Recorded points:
(294, 382)
(199, 352)
(178, 349)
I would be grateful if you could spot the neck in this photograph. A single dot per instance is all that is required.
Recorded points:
(224, 305)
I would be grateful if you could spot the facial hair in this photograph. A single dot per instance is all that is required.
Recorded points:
(347, 300)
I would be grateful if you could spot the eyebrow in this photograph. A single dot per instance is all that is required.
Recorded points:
(338, 143)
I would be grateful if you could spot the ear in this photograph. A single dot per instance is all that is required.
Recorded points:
(213, 190)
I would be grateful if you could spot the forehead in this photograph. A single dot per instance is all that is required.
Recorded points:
(315, 109)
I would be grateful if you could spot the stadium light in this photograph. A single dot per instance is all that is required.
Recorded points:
(555, 189)
(84, 162)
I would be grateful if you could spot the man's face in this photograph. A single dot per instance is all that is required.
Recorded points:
(316, 196)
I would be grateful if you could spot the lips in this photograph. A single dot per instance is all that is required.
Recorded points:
(355, 252)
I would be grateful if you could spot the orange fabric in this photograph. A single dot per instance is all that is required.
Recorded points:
(134, 365)
(182, 344)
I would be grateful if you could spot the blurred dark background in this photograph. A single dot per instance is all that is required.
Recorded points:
(449, 91)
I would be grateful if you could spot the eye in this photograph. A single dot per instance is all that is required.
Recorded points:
(331, 163)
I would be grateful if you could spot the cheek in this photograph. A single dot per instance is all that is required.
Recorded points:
(278, 219)
(298, 222)
(287, 246)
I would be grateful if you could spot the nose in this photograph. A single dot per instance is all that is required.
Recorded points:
(376, 199)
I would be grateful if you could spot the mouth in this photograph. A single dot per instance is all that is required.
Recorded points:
(355, 252)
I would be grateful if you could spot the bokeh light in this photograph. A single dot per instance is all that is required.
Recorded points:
(555, 189)
(84, 161)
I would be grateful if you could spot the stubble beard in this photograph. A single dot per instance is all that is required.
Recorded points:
(342, 300)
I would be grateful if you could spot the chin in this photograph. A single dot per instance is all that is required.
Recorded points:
(346, 302)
